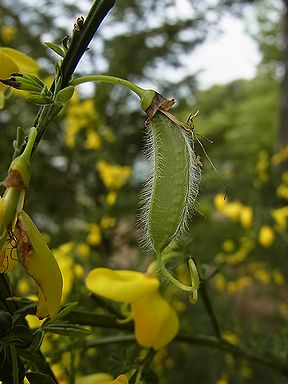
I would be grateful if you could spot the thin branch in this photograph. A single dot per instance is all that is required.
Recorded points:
(210, 310)
(92, 319)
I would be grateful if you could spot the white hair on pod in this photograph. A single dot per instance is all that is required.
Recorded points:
(168, 149)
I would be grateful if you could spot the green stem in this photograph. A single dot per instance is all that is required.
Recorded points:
(78, 46)
(210, 310)
(96, 320)
(81, 39)
(171, 278)
(14, 364)
(111, 80)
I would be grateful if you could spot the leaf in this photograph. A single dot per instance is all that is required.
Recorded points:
(55, 48)
(71, 330)
(39, 378)
(37, 339)
(21, 336)
(5, 322)
(66, 309)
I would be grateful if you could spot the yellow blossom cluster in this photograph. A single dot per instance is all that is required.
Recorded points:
(235, 210)
(266, 236)
(232, 257)
(113, 176)
(256, 271)
(94, 236)
(281, 156)
(262, 166)
(282, 189)
(280, 215)
(8, 33)
(81, 114)
(13, 61)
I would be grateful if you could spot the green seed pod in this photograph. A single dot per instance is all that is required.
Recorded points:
(172, 188)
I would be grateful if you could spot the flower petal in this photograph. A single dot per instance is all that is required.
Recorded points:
(121, 285)
(8, 66)
(122, 379)
(24, 62)
(156, 322)
(95, 378)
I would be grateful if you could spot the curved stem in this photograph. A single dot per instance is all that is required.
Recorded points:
(111, 80)
(169, 276)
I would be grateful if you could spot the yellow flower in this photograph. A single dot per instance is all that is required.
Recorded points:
(111, 198)
(223, 380)
(156, 322)
(246, 217)
(278, 277)
(231, 338)
(228, 245)
(220, 201)
(102, 378)
(8, 33)
(65, 261)
(94, 236)
(280, 156)
(14, 61)
(93, 140)
(233, 210)
(262, 166)
(81, 115)
(282, 191)
(82, 250)
(263, 276)
(107, 222)
(280, 215)
(266, 236)
(113, 176)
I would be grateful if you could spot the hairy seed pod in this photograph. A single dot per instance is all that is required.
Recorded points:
(172, 187)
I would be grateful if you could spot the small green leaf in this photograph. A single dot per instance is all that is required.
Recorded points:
(71, 330)
(66, 310)
(5, 322)
(21, 336)
(65, 94)
(39, 99)
(55, 48)
(37, 339)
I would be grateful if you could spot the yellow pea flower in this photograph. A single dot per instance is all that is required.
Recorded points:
(102, 378)
(220, 201)
(111, 198)
(156, 322)
(266, 236)
(113, 176)
(8, 33)
(246, 217)
(14, 61)
(94, 236)
(233, 210)
(280, 215)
